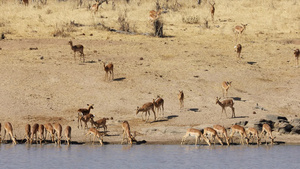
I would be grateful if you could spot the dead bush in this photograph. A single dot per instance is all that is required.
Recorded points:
(191, 19)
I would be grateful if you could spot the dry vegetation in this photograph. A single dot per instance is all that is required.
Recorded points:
(196, 55)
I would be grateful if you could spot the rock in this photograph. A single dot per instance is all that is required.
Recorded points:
(295, 130)
(283, 128)
(242, 123)
(276, 118)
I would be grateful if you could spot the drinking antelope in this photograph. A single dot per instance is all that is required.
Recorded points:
(84, 111)
(212, 10)
(252, 132)
(58, 131)
(109, 68)
(225, 87)
(224, 104)
(213, 133)
(77, 48)
(238, 50)
(49, 129)
(146, 108)
(96, 133)
(34, 130)
(9, 129)
(181, 98)
(297, 54)
(41, 133)
(220, 129)
(68, 130)
(267, 129)
(27, 133)
(241, 131)
(197, 134)
(159, 105)
(126, 133)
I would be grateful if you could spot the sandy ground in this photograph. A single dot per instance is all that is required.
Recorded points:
(48, 85)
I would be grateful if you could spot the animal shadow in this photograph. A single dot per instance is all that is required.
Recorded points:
(194, 109)
(120, 79)
(251, 63)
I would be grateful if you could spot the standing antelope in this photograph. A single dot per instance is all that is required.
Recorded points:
(225, 87)
(96, 133)
(222, 131)
(297, 54)
(94, 7)
(41, 133)
(252, 132)
(241, 131)
(213, 133)
(58, 130)
(159, 105)
(77, 48)
(181, 98)
(86, 118)
(34, 130)
(197, 134)
(25, 2)
(267, 129)
(238, 50)
(84, 111)
(27, 133)
(109, 68)
(212, 10)
(126, 131)
(226, 103)
(68, 130)
(100, 123)
(146, 108)
(239, 29)
(49, 129)
(9, 129)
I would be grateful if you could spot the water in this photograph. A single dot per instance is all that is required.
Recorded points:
(149, 156)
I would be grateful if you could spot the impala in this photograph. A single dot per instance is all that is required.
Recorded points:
(241, 131)
(27, 133)
(213, 133)
(159, 105)
(181, 98)
(100, 123)
(212, 10)
(84, 111)
(9, 130)
(238, 50)
(252, 132)
(126, 133)
(96, 133)
(297, 54)
(146, 109)
(267, 129)
(109, 68)
(197, 134)
(77, 48)
(86, 118)
(225, 87)
(34, 130)
(49, 129)
(41, 133)
(226, 103)
(68, 130)
(220, 129)
(58, 131)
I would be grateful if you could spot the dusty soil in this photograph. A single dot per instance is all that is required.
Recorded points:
(48, 85)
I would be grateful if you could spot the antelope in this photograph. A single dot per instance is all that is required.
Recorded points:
(25, 2)
(197, 134)
(109, 68)
(267, 129)
(239, 29)
(34, 130)
(213, 133)
(212, 10)
(225, 87)
(126, 131)
(159, 105)
(86, 119)
(241, 131)
(96, 133)
(58, 130)
(226, 103)
(84, 111)
(181, 98)
(27, 133)
(100, 123)
(252, 132)
(146, 108)
(94, 7)
(49, 129)
(9, 129)
(238, 50)
(222, 131)
(77, 48)
(41, 133)
(68, 130)
(297, 54)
